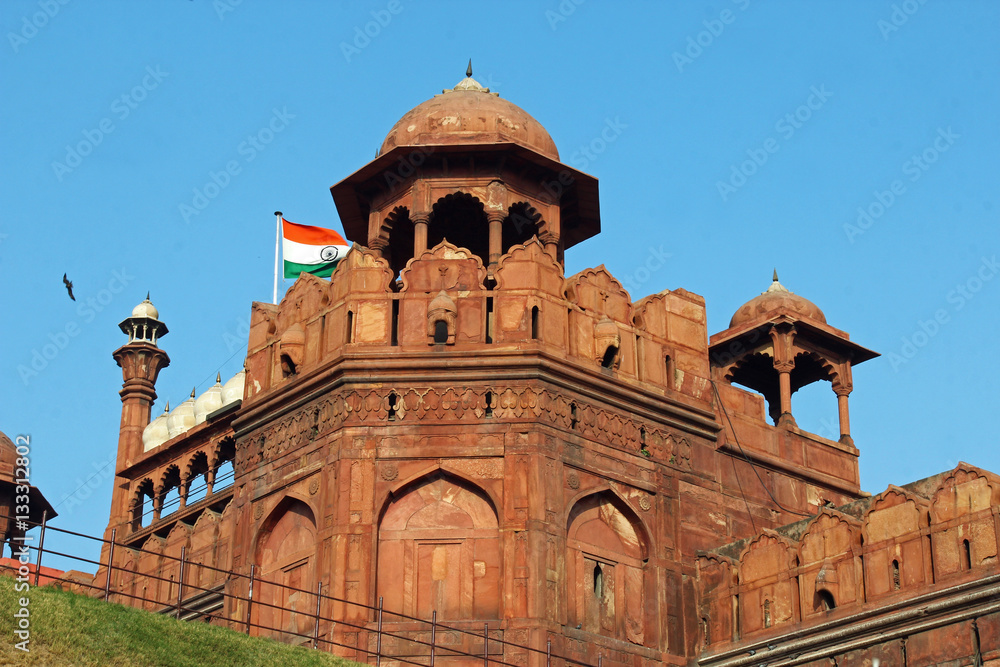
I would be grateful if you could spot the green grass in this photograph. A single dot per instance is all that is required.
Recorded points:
(71, 629)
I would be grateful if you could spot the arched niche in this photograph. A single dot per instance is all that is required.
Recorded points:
(522, 223)
(286, 560)
(765, 574)
(460, 219)
(606, 550)
(439, 550)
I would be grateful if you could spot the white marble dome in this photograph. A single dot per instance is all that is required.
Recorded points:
(146, 309)
(181, 418)
(232, 391)
(156, 432)
(208, 402)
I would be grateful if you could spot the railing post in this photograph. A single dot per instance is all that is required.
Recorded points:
(180, 586)
(486, 644)
(600, 660)
(548, 653)
(111, 560)
(434, 622)
(319, 599)
(253, 572)
(378, 637)
(41, 546)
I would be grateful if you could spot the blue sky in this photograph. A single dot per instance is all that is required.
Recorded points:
(852, 145)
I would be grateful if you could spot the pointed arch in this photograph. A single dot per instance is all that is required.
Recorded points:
(460, 218)
(439, 549)
(285, 553)
(607, 579)
(398, 230)
(522, 223)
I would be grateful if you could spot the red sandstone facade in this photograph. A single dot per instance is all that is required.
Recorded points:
(452, 424)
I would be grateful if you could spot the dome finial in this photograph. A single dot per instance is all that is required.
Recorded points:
(775, 278)
(468, 70)
(218, 378)
(147, 295)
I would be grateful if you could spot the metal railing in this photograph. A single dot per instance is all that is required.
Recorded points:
(408, 646)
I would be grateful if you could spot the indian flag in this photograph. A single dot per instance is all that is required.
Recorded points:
(312, 250)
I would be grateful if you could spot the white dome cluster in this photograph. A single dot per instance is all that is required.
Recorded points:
(193, 411)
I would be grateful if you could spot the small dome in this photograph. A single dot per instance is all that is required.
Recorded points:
(469, 114)
(441, 302)
(146, 309)
(181, 418)
(776, 297)
(156, 432)
(232, 391)
(208, 402)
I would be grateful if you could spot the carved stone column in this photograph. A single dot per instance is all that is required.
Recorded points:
(379, 245)
(843, 386)
(420, 221)
(784, 369)
(551, 243)
(496, 237)
(784, 362)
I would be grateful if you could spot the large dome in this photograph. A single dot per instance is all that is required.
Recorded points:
(469, 114)
(775, 298)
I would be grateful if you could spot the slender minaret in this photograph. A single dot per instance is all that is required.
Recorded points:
(140, 360)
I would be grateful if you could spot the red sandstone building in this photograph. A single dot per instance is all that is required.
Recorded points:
(453, 425)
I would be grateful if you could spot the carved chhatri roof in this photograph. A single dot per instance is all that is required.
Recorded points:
(776, 297)
(469, 114)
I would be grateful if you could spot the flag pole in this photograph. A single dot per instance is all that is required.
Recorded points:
(277, 242)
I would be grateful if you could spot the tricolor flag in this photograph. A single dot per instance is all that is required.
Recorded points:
(312, 250)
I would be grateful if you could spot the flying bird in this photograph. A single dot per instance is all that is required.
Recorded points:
(69, 286)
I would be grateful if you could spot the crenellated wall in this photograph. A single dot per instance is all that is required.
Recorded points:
(931, 546)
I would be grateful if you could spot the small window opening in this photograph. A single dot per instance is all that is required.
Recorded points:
(706, 640)
(440, 332)
(534, 322)
(767, 613)
(489, 404)
(392, 407)
(489, 319)
(825, 601)
(573, 421)
(609, 356)
(668, 372)
(350, 326)
(895, 575)
(287, 366)
(642, 441)
(394, 333)
(967, 554)
(598, 581)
